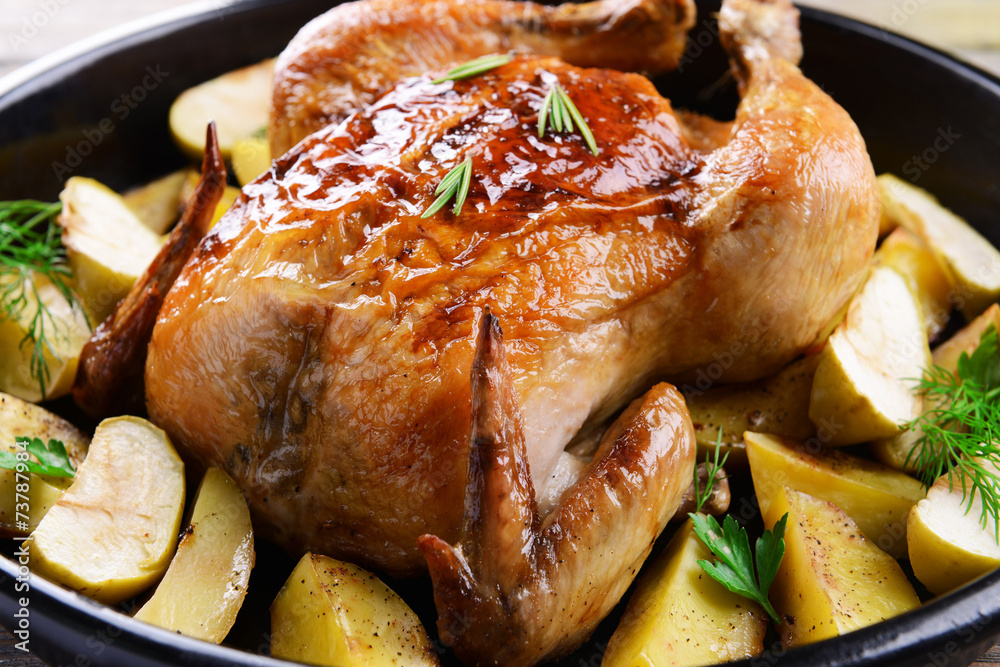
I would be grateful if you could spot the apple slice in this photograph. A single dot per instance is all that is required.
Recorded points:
(238, 102)
(335, 613)
(251, 157)
(112, 533)
(157, 204)
(865, 386)
(206, 582)
(832, 579)
(948, 545)
(903, 251)
(970, 261)
(108, 247)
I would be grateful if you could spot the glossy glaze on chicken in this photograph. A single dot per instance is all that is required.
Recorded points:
(319, 345)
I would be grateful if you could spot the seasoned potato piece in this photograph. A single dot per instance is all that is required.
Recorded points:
(66, 332)
(237, 101)
(948, 544)
(863, 387)
(107, 246)
(206, 582)
(971, 262)
(22, 419)
(911, 258)
(680, 616)
(777, 404)
(158, 204)
(877, 497)
(894, 451)
(832, 579)
(112, 533)
(335, 613)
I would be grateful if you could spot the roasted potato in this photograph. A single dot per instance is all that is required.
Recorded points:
(158, 204)
(832, 579)
(334, 613)
(909, 256)
(206, 582)
(680, 616)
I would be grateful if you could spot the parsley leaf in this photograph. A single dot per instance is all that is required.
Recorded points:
(52, 459)
(735, 567)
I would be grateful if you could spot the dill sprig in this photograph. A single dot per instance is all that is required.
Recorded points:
(454, 184)
(29, 243)
(961, 428)
(713, 466)
(475, 67)
(559, 112)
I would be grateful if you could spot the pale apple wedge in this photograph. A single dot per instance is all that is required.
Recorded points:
(970, 261)
(877, 497)
(335, 613)
(895, 451)
(865, 383)
(679, 616)
(832, 579)
(948, 544)
(251, 157)
(207, 580)
(108, 247)
(909, 256)
(66, 327)
(110, 536)
(229, 195)
(776, 404)
(238, 102)
(157, 204)
(19, 418)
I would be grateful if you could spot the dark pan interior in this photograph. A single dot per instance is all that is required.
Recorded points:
(103, 113)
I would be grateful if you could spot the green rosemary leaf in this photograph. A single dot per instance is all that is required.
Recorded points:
(475, 67)
(455, 185)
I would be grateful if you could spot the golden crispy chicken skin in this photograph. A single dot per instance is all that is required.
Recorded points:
(345, 59)
(340, 355)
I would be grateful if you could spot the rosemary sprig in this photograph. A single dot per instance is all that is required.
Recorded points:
(702, 496)
(475, 67)
(455, 184)
(961, 427)
(559, 112)
(29, 242)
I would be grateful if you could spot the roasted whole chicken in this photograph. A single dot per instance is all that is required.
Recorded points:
(400, 390)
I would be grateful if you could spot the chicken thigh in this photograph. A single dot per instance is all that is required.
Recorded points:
(326, 343)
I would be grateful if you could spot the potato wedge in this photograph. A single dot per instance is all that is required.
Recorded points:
(238, 102)
(863, 387)
(895, 451)
(251, 157)
(679, 616)
(206, 582)
(971, 262)
(334, 613)
(19, 418)
(948, 545)
(158, 203)
(66, 331)
(112, 533)
(777, 404)
(903, 251)
(876, 497)
(832, 579)
(107, 246)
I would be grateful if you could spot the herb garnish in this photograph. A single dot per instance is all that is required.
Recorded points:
(961, 427)
(52, 460)
(559, 110)
(455, 184)
(702, 496)
(475, 67)
(29, 242)
(735, 567)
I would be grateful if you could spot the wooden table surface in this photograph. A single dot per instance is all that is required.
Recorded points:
(30, 29)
